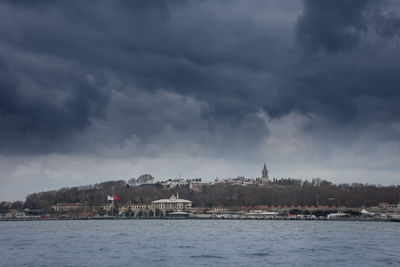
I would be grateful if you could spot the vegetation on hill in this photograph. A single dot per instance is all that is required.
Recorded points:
(284, 192)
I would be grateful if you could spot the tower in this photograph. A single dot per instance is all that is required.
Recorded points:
(264, 173)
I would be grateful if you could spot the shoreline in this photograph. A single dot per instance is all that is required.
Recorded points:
(194, 218)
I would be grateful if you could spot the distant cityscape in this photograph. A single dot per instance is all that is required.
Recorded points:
(197, 183)
(229, 198)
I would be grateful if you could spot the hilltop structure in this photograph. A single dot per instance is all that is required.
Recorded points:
(264, 174)
(197, 184)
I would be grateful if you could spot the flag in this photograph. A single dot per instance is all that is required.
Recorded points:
(116, 198)
(110, 198)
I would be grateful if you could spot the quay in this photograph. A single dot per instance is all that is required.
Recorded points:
(175, 208)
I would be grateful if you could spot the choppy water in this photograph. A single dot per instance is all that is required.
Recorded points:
(198, 242)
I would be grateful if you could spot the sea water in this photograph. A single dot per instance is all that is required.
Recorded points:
(199, 243)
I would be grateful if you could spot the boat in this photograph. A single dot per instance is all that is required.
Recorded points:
(333, 216)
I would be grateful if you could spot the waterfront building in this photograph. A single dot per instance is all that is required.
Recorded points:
(69, 207)
(76, 207)
(173, 203)
(138, 206)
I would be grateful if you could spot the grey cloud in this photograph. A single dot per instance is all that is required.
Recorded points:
(332, 25)
(35, 117)
(154, 123)
(64, 58)
(143, 80)
(349, 55)
(117, 41)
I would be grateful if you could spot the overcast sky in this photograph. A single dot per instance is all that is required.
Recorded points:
(111, 89)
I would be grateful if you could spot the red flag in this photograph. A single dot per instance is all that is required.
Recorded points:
(116, 198)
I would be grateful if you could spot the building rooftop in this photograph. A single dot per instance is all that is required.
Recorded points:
(172, 199)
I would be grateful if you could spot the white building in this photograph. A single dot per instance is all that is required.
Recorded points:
(173, 203)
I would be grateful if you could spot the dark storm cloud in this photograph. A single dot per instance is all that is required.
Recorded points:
(32, 119)
(167, 71)
(332, 25)
(350, 51)
(114, 88)
(138, 43)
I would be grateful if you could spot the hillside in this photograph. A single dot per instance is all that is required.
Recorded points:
(226, 195)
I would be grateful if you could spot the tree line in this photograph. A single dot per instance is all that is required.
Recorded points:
(284, 192)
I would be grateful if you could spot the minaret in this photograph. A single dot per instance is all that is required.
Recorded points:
(264, 173)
